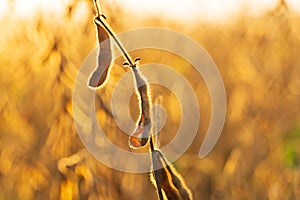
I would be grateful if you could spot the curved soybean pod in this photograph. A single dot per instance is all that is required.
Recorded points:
(170, 180)
(104, 57)
(140, 136)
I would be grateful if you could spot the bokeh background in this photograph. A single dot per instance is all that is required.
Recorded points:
(256, 46)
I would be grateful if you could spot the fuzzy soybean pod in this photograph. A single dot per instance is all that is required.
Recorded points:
(169, 179)
(160, 178)
(104, 57)
(140, 136)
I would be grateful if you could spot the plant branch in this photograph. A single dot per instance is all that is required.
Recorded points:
(100, 20)
(97, 8)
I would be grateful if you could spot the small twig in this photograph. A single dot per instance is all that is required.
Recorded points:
(97, 8)
(99, 21)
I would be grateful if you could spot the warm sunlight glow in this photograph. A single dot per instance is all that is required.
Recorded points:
(295, 5)
(3, 7)
(188, 10)
(60, 139)
(211, 10)
(25, 8)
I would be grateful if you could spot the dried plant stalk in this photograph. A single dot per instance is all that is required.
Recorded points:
(164, 176)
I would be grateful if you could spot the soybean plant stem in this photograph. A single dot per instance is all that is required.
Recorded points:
(100, 21)
(97, 7)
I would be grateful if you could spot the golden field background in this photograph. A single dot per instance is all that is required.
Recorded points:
(256, 157)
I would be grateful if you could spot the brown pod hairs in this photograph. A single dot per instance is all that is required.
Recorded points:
(140, 136)
(104, 58)
(170, 180)
(162, 177)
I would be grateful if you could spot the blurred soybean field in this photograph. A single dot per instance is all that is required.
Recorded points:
(42, 157)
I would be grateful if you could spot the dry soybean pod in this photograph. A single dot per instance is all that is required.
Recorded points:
(161, 175)
(104, 57)
(176, 179)
(140, 136)
(155, 175)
